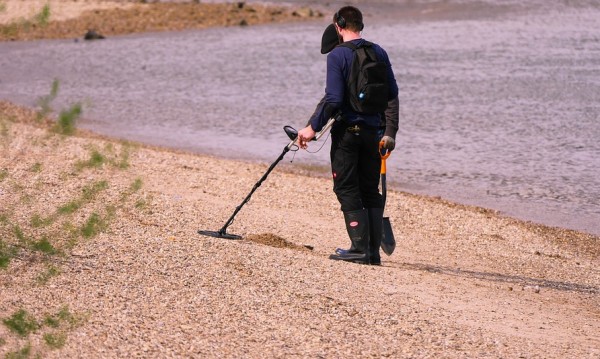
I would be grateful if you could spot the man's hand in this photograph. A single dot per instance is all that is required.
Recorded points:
(304, 135)
(388, 143)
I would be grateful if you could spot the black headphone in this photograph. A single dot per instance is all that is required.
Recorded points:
(341, 22)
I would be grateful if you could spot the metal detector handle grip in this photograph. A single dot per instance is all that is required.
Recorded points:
(327, 126)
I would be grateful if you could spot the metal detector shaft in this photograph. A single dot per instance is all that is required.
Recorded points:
(260, 181)
(223, 231)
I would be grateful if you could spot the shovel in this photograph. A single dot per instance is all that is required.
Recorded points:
(388, 243)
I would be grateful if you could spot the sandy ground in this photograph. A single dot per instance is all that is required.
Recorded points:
(100, 257)
(463, 282)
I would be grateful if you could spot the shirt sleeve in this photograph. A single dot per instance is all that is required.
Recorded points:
(334, 91)
(391, 78)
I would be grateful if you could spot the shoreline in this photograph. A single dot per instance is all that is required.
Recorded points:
(100, 257)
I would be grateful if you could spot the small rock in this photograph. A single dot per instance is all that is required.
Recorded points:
(93, 35)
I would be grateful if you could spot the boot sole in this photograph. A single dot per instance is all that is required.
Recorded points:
(345, 259)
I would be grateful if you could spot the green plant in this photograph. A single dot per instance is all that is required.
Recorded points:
(67, 119)
(45, 101)
(50, 272)
(36, 167)
(92, 225)
(44, 246)
(21, 323)
(22, 353)
(19, 234)
(37, 221)
(123, 162)
(3, 128)
(96, 224)
(89, 193)
(55, 341)
(96, 160)
(62, 316)
(7, 252)
(136, 185)
(3, 175)
(70, 207)
(43, 17)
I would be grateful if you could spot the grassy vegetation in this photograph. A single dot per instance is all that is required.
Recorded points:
(41, 234)
(67, 120)
(39, 20)
(45, 102)
(22, 353)
(97, 159)
(4, 128)
(96, 223)
(50, 272)
(36, 167)
(88, 194)
(43, 17)
(21, 323)
(55, 340)
(7, 252)
(56, 327)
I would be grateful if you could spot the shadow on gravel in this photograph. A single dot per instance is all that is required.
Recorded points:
(497, 277)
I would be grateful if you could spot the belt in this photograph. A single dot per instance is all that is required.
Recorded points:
(353, 129)
(357, 128)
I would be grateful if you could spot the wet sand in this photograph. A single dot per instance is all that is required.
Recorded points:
(463, 282)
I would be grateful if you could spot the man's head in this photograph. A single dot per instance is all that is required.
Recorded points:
(349, 18)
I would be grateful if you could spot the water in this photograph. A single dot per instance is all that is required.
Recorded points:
(500, 101)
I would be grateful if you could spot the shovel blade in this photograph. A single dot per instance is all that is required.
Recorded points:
(388, 242)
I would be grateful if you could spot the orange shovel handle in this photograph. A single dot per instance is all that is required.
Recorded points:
(384, 155)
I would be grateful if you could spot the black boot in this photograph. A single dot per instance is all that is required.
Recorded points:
(376, 234)
(357, 225)
(344, 251)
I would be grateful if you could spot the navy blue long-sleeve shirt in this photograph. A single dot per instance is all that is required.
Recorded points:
(339, 62)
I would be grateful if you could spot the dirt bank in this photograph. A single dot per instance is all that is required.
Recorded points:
(54, 19)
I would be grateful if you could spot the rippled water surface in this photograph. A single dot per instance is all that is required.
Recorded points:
(500, 101)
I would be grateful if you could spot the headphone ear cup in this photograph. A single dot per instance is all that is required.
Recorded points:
(341, 22)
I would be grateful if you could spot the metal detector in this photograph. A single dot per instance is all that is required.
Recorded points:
(293, 135)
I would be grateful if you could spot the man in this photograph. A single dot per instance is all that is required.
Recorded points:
(355, 159)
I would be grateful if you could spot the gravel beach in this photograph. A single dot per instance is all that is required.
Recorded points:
(100, 258)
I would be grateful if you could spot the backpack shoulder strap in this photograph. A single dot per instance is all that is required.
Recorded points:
(349, 45)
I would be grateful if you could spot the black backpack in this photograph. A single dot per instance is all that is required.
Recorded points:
(368, 86)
